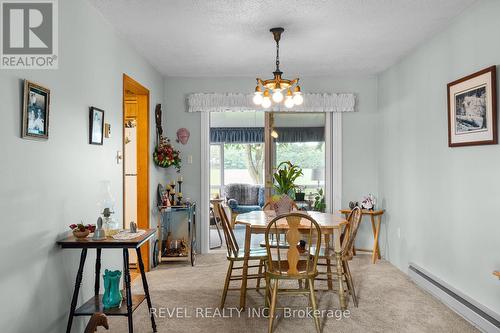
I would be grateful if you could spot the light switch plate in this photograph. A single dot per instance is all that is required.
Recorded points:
(107, 130)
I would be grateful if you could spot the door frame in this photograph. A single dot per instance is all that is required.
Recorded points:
(143, 205)
(333, 169)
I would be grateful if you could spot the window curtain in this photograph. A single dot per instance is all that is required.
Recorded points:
(256, 134)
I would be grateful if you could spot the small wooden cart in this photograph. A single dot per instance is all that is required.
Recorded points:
(167, 223)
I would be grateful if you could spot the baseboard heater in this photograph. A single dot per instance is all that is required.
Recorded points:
(482, 318)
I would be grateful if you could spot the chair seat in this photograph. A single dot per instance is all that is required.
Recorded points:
(302, 268)
(255, 253)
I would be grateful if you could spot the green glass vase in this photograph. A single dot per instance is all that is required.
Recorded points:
(112, 296)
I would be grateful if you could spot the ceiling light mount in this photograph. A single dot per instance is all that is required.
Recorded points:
(277, 85)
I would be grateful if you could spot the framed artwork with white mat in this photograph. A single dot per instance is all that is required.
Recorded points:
(472, 109)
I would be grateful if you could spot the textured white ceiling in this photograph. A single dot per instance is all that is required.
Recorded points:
(232, 38)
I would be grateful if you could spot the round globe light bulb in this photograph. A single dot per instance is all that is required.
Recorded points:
(289, 102)
(278, 96)
(266, 102)
(298, 99)
(257, 98)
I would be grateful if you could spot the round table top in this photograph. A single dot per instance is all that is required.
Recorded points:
(260, 219)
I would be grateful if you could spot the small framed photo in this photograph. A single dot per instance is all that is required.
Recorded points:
(36, 108)
(96, 126)
(472, 109)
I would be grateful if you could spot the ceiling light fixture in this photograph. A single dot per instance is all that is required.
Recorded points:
(269, 91)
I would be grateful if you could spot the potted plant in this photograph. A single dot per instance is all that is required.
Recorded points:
(285, 176)
(299, 193)
(319, 201)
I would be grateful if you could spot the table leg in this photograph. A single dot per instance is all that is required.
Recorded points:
(146, 288)
(374, 229)
(97, 281)
(376, 250)
(338, 257)
(78, 282)
(243, 291)
(128, 292)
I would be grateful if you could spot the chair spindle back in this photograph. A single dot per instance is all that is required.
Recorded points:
(354, 220)
(293, 261)
(231, 242)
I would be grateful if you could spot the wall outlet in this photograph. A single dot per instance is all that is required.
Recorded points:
(399, 232)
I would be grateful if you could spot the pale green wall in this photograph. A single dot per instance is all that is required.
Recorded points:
(45, 186)
(359, 146)
(443, 200)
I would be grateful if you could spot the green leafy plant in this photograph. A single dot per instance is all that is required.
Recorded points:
(285, 177)
(319, 201)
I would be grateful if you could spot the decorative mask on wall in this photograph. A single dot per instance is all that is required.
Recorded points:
(183, 135)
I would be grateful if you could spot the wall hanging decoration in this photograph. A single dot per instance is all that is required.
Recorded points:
(96, 126)
(164, 154)
(472, 109)
(36, 107)
(183, 135)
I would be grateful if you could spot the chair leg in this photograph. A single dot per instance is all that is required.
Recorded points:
(268, 292)
(350, 283)
(273, 305)
(329, 273)
(340, 274)
(261, 264)
(313, 304)
(226, 284)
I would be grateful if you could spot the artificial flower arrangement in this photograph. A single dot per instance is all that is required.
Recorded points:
(80, 230)
(369, 202)
(166, 156)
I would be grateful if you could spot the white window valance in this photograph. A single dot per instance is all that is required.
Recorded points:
(234, 102)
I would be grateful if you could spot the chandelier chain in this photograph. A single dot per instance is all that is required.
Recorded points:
(277, 56)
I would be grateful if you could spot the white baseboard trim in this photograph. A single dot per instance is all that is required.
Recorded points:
(476, 314)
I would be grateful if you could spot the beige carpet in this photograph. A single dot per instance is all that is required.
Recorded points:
(388, 302)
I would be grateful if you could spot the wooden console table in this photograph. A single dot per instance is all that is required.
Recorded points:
(95, 303)
(376, 219)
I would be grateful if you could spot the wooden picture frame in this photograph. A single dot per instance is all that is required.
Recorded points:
(472, 109)
(96, 126)
(35, 112)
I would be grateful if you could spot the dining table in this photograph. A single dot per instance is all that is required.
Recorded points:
(331, 226)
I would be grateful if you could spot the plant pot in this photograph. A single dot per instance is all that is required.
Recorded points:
(300, 196)
(81, 234)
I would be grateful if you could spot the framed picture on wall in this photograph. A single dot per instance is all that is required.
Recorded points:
(472, 109)
(36, 107)
(96, 126)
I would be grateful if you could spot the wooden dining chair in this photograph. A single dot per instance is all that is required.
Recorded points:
(328, 254)
(236, 254)
(297, 262)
